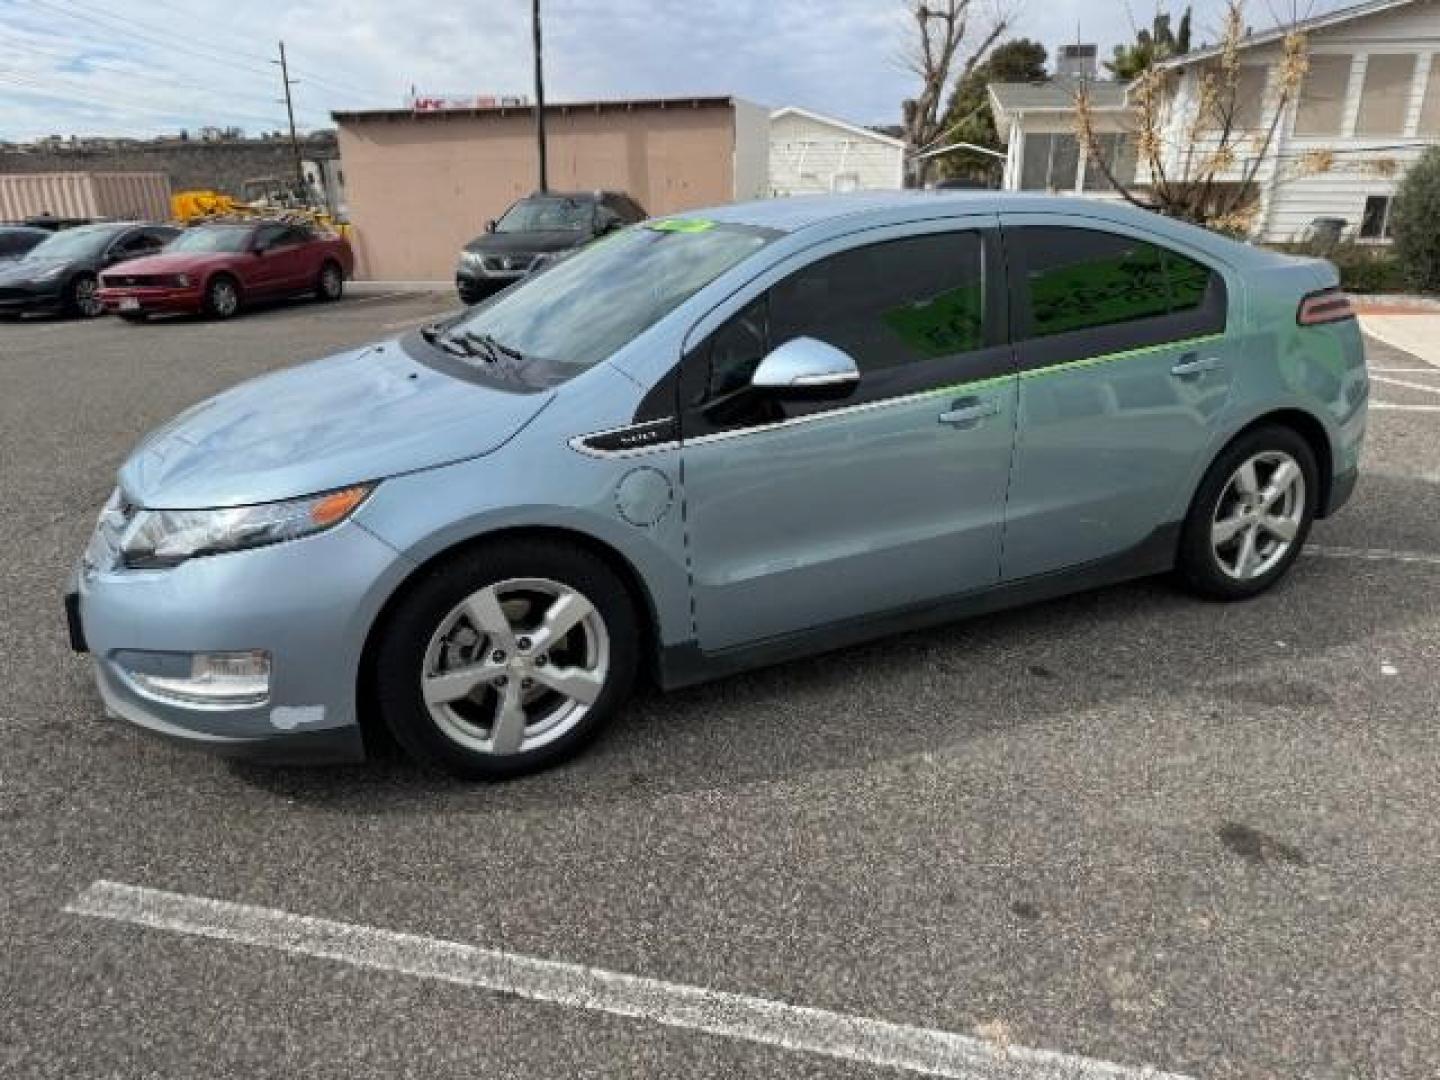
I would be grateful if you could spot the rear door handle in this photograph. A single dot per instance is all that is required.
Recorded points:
(966, 412)
(1190, 364)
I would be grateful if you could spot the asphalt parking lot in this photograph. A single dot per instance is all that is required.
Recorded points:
(1126, 827)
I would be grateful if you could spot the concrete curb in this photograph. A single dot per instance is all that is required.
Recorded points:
(377, 288)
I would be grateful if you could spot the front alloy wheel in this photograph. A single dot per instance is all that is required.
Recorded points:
(515, 665)
(85, 297)
(505, 657)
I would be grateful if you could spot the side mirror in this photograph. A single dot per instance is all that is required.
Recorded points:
(805, 368)
(490, 225)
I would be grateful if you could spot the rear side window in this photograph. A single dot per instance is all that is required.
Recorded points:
(1097, 292)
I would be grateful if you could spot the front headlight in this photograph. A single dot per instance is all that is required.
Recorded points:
(160, 538)
(470, 258)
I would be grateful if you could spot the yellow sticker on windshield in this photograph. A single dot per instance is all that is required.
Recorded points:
(681, 225)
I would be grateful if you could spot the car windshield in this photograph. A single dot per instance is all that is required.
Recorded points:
(75, 243)
(578, 312)
(203, 239)
(546, 215)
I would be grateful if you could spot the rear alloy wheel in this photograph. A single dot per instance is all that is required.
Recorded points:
(84, 297)
(222, 298)
(507, 659)
(1251, 515)
(331, 283)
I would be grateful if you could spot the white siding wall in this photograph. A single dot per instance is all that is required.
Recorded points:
(811, 157)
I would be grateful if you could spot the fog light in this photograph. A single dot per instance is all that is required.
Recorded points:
(228, 678)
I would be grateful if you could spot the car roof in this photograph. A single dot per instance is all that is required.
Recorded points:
(845, 213)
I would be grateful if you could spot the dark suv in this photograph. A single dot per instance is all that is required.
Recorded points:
(535, 231)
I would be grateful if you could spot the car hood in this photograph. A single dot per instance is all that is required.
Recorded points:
(28, 269)
(527, 242)
(362, 415)
(178, 262)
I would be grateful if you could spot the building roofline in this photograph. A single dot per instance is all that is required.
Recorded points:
(1277, 33)
(844, 125)
(562, 108)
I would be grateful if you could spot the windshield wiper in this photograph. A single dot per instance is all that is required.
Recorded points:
(487, 346)
(435, 335)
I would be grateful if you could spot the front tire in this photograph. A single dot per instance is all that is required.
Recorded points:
(1251, 516)
(506, 659)
(82, 297)
(222, 297)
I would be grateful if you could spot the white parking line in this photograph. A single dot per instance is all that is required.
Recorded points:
(1324, 551)
(740, 1016)
(1405, 383)
(1405, 370)
(1388, 406)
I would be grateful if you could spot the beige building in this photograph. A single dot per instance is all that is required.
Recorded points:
(420, 184)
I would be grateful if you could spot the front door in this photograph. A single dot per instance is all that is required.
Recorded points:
(802, 515)
(1125, 369)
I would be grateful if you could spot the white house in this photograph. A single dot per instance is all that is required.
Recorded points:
(813, 154)
(1042, 151)
(1367, 108)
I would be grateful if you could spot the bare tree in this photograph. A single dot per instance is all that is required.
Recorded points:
(1202, 166)
(940, 27)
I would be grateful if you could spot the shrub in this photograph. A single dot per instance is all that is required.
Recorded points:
(1367, 270)
(1413, 219)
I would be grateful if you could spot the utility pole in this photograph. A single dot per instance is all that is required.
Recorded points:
(290, 112)
(539, 92)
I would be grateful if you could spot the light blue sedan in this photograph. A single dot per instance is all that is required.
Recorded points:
(713, 441)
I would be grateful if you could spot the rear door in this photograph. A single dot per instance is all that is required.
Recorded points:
(1125, 370)
(807, 514)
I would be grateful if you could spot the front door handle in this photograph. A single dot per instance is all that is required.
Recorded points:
(969, 411)
(1191, 364)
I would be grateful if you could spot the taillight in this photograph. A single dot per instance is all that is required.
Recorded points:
(1325, 306)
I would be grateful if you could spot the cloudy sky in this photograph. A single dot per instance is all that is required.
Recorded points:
(137, 68)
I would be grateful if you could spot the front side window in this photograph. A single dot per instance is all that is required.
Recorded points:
(1322, 95)
(911, 313)
(1094, 292)
(1385, 94)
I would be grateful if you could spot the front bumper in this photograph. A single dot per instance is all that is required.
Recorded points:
(135, 299)
(39, 297)
(474, 285)
(309, 603)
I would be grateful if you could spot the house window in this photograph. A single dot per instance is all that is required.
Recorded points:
(1117, 150)
(1050, 163)
(1388, 78)
(1249, 97)
(1375, 224)
(1322, 96)
(1430, 105)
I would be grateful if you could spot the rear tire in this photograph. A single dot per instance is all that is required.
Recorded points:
(222, 297)
(1251, 515)
(330, 285)
(537, 644)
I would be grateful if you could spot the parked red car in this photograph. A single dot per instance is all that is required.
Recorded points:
(218, 268)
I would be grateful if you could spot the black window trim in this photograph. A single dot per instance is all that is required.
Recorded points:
(994, 360)
(1154, 332)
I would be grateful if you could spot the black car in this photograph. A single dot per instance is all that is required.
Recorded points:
(17, 240)
(536, 231)
(61, 273)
